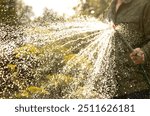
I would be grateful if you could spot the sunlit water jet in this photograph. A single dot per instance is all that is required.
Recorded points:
(91, 63)
(60, 31)
(90, 42)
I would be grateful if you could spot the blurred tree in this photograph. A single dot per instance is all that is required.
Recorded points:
(96, 8)
(49, 16)
(24, 12)
(14, 12)
(8, 11)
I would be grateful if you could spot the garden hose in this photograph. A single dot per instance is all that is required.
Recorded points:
(141, 66)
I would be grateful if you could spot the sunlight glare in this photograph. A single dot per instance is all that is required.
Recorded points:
(62, 7)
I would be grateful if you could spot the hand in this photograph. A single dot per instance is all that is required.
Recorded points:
(113, 25)
(137, 56)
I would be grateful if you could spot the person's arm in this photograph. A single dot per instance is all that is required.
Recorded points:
(142, 55)
(146, 26)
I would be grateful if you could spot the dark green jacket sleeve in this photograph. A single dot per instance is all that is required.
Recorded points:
(146, 26)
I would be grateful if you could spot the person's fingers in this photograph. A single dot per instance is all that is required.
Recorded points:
(137, 52)
(137, 49)
(143, 56)
(134, 52)
(134, 58)
(138, 60)
(137, 56)
(141, 52)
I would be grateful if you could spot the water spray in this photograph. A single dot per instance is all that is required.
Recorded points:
(141, 66)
